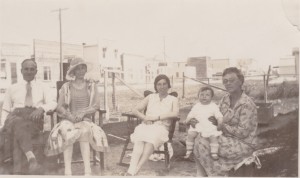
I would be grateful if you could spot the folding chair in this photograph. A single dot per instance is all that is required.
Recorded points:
(133, 121)
(95, 159)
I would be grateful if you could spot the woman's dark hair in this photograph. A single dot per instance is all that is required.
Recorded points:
(160, 77)
(206, 88)
(236, 71)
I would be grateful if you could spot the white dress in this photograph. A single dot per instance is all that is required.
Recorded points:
(202, 113)
(156, 133)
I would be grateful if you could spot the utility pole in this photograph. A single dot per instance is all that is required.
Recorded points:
(60, 42)
(164, 49)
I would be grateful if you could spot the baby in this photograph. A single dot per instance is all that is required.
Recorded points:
(201, 111)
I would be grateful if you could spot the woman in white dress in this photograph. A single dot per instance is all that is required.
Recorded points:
(153, 131)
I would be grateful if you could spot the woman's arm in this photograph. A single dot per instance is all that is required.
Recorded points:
(219, 117)
(248, 122)
(61, 109)
(138, 111)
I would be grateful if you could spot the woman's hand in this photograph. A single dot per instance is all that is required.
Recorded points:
(148, 122)
(79, 116)
(213, 120)
(193, 122)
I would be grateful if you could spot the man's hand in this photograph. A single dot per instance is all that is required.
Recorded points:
(37, 114)
(193, 122)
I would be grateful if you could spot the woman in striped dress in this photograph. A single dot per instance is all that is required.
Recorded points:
(78, 101)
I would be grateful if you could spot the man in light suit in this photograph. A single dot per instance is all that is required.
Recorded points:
(23, 111)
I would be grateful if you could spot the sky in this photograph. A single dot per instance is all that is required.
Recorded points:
(257, 29)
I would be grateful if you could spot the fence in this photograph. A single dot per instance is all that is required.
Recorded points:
(181, 85)
(215, 82)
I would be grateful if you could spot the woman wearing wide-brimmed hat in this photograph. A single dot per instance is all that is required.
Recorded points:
(78, 100)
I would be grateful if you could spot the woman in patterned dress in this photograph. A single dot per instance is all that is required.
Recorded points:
(239, 128)
(78, 101)
(153, 131)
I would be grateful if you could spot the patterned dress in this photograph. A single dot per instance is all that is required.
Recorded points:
(237, 141)
(66, 133)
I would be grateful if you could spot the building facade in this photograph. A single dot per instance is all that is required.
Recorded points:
(12, 55)
(217, 66)
(287, 66)
(135, 68)
(201, 64)
(47, 56)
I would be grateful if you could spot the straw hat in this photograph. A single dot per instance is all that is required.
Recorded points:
(73, 64)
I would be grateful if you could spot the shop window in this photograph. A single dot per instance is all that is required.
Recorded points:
(3, 71)
(14, 77)
(47, 73)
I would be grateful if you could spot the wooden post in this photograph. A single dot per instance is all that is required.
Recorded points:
(265, 89)
(183, 85)
(146, 80)
(114, 90)
(267, 84)
(106, 95)
(296, 54)
(207, 80)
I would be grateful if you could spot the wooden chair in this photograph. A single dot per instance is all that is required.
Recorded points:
(95, 159)
(133, 121)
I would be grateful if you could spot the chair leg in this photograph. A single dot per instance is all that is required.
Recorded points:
(167, 156)
(167, 160)
(124, 150)
(59, 159)
(102, 162)
(94, 157)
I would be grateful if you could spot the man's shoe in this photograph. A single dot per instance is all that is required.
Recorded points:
(34, 167)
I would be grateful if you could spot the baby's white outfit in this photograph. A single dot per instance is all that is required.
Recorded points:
(202, 112)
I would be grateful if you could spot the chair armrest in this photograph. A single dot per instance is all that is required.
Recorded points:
(177, 119)
(101, 112)
(132, 122)
(50, 113)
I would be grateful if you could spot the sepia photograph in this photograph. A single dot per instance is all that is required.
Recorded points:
(176, 88)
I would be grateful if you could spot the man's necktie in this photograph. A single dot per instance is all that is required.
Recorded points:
(28, 98)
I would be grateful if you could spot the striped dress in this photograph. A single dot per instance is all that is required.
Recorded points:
(79, 101)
